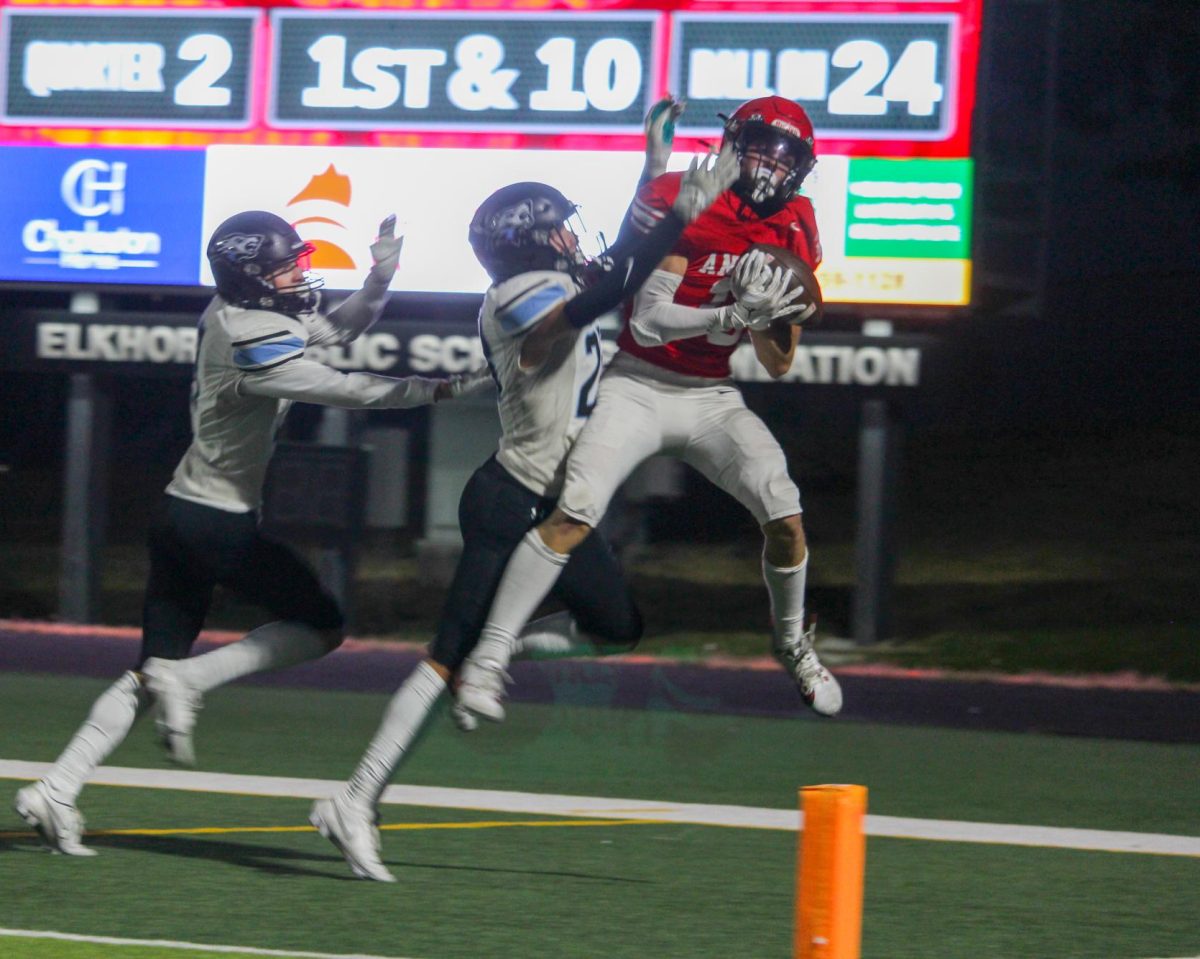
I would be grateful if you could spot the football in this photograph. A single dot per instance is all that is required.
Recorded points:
(802, 275)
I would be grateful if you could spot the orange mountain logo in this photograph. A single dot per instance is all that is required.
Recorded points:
(327, 187)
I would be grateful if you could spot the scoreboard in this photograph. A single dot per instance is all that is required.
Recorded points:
(134, 130)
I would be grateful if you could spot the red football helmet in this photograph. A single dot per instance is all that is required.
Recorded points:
(774, 141)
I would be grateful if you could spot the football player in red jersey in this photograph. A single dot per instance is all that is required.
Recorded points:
(669, 391)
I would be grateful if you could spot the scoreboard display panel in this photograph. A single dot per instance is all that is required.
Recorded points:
(135, 129)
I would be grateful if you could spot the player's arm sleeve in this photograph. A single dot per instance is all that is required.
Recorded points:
(310, 382)
(352, 317)
(638, 260)
(274, 365)
(524, 301)
(657, 319)
(649, 207)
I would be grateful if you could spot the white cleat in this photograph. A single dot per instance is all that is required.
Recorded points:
(177, 705)
(465, 720)
(59, 825)
(817, 686)
(481, 689)
(354, 831)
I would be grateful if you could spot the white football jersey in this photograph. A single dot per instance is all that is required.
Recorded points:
(542, 409)
(233, 434)
(250, 366)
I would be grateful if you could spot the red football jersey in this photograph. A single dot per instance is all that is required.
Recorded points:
(712, 244)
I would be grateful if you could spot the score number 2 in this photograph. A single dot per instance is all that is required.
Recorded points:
(198, 88)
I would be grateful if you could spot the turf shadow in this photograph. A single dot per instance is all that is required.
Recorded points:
(275, 860)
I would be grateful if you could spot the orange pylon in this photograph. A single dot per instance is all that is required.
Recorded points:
(831, 860)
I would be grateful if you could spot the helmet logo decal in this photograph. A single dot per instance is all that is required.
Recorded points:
(787, 128)
(516, 216)
(241, 246)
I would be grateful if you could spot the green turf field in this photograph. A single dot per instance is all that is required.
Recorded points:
(242, 870)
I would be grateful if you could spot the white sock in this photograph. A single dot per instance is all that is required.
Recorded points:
(553, 636)
(786, 588)
(531, 573)
(403, 719)
(111, 717)
(272, 646)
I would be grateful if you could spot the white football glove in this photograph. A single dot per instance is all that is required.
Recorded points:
(796, 307)
(750, 270)
(660, 132)
(735, 317)
(759, 289)
(463, 384)
(705, 180)
(767, 290)
(385, 251)
(760, 306)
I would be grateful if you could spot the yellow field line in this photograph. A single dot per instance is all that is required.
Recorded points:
(228, 830)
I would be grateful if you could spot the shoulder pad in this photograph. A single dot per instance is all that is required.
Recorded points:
(261, 339)
(521, 301)
(653, 201)
(804, 238)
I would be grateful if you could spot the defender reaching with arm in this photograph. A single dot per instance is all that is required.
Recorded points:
(250, 366)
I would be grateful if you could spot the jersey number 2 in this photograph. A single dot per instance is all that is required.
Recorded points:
(587, 392)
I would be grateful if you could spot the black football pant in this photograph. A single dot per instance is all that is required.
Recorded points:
(494, 513)
(194, 548)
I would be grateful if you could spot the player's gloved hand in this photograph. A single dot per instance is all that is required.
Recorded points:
(736, 317)
(767, 291)
(705, 180)
(385, 251)
(462, 384)
(660, 133)
(750, 271)
(760, 288)
(795, 307)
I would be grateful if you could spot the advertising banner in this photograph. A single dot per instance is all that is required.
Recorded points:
(101, 216)
(336, 197)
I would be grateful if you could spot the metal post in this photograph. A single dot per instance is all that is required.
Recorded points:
(85, 488)
(874, 552)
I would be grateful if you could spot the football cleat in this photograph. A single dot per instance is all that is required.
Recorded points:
(355, 832)
(817, 686)
(465, 720)
(177, 705)
(59, 824)
(481, 690)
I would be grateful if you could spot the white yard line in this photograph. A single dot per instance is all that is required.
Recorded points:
(201, 947)
(743, 817)
(197, 946)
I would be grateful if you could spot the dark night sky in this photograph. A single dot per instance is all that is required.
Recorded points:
(1116, 341)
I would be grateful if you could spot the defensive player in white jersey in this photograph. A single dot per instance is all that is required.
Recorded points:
(669, 390)
(538, 328)
(250, 366)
